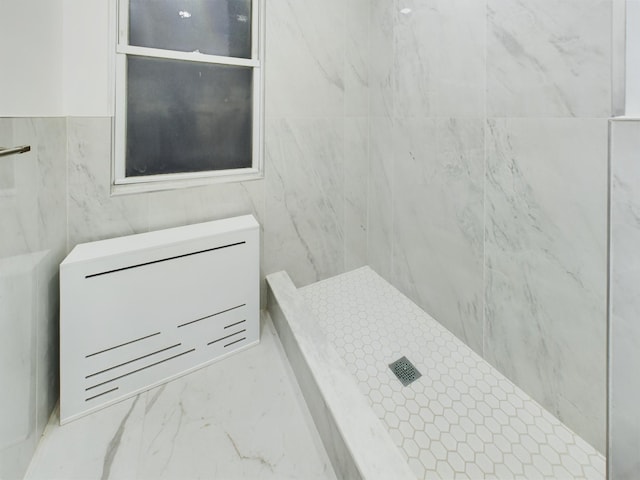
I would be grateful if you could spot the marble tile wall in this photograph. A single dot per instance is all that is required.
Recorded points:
(436, 159)
(545, 263)
(312, 204)
(317, 104)
(549, 59)
(397, 134)
(624, 303)
(487, 183)
(33, 220)
(95, 214)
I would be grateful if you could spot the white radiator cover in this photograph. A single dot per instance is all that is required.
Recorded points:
(138, 311)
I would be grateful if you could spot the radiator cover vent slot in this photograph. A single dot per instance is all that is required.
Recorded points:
(405, 371)
(138, 311)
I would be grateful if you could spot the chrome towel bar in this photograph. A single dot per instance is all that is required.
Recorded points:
(11, 151)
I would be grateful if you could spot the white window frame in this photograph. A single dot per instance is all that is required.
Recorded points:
(121, 184)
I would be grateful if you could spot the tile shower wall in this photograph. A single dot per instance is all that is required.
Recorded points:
(487, 183)
(312, 203)
(33, 221)
(94, 214)
(545, 263)
(316, 137)
(624, 328)
(380, 119)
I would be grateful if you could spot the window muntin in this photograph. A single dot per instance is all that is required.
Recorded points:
(187, 116)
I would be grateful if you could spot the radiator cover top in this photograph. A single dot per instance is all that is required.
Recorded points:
(138, 311)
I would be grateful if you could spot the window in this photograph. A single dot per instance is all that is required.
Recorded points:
(188, 93)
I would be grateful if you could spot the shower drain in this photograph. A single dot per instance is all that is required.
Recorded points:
(405, 371)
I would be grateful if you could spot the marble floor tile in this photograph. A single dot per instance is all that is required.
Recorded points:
(381, 58)
(356, 56)
(236, 419)
(439, 58)
(102, 445)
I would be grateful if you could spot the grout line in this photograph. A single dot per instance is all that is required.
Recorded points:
(484, 186)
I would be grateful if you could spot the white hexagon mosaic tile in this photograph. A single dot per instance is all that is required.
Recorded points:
(462, 419)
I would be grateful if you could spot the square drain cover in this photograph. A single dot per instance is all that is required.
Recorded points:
(405, 371)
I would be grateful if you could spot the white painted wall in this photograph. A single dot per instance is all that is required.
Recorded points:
(31, 51)
(88, 57)
(56, 58)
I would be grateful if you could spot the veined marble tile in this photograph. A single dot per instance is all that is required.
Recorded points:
(416, 49)
(461, 60)
(304, 196)
(93, 213)
(6, 168)
(33, 242)
(174, 208)
(381, 57)
(379, 245)
(439, 58)
(16, 235)
(18, 351)
(15, 458)
(625, 197)
(356, 66)
(305, 58)
(51, 134)
(235, 419)
(624, 420)
(18, 190)
(624, 328)
(549, 58)
(438, 220)
(356, 167)
(545, 270)
(103, 445)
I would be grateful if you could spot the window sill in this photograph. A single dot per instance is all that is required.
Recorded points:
(180, 181)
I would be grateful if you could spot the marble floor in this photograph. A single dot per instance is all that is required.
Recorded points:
(461, 418)
(241, 418)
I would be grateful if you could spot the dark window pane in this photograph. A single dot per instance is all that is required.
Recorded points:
(215, 27)
(187, 116)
